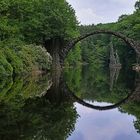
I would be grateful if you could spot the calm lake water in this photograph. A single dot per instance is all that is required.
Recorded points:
(85, 103)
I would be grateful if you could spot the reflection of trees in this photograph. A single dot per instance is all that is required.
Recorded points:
(24, 115)
(99, 76)
(74, 77)
(96, 107)
(5, 85)
(94, 87)
(37, 119)
(133, 105)
(25, 87)
(114, 74)
(94, 84)
(137, 125)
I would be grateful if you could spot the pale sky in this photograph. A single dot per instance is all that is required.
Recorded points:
(101, 11)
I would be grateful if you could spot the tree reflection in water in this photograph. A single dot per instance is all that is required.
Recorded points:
(26, 115)
(41, 108)
(94, 86)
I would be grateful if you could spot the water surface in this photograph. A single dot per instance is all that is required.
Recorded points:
(84, 103)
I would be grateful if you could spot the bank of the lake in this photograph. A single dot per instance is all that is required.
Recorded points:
(26, 26)
(23, 59)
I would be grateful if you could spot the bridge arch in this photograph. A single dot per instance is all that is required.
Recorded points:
(134, 44)
(100, 108)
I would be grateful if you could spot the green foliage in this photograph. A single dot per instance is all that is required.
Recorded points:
(137, 5)
(129, 25)
(73, 78)
(122, 17)
(33, 22)
(34, 58)
(94, 48)
(23, 59)
(12, 59)
(36, 21)
(74, 56)
(93, 82)
(22, 104)
(23, 87)
(5, 67)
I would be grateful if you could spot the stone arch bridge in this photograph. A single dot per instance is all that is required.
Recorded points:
(59, 85)
(132, 43)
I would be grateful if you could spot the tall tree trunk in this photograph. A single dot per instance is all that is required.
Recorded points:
(53, 46)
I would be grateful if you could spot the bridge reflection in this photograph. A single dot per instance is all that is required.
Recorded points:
(60, 92)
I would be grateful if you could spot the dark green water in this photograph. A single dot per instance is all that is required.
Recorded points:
(87, 103)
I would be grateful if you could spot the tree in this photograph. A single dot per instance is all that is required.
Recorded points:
(122, 17)
(45, 22)
(137, 5)
(38, 20)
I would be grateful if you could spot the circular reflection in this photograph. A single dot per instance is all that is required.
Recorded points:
(82, 102)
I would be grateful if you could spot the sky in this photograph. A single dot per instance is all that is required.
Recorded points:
(101, 11)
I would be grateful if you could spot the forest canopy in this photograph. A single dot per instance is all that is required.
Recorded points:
(26, 23)
(95, 49)
(34, 21)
